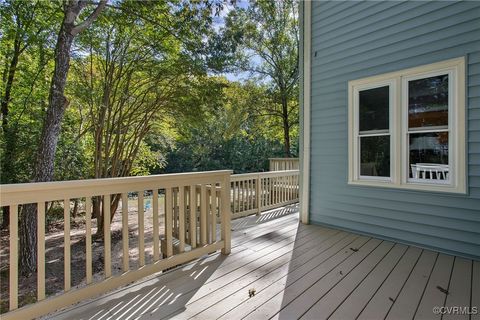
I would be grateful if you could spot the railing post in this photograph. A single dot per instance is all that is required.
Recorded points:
(258, 193)
(225, 214)
(13, 270)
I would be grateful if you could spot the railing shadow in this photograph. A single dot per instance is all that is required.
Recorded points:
(266, 216)
(161, 296)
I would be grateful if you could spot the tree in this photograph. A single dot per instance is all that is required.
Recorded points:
(44, 164)
(226, 134)
(26, 31)
(265, 38)
(139, 66)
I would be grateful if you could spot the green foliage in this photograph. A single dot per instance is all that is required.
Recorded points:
(26, 51)
(263, 40)
(142, 95)
(229, 136)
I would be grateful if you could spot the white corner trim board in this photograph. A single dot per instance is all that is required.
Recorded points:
(306, 110)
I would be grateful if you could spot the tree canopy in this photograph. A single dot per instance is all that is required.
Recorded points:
(119, 88)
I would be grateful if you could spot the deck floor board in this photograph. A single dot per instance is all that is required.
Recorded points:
(433, 296)
(296, 271)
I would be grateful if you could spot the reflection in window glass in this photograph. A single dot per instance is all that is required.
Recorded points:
(374, 105)
(428, 102)
(428, 155)
(375, 156)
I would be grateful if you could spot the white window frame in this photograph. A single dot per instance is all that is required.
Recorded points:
(398, 114)
(391, 124)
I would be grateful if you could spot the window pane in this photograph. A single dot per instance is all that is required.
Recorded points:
(375, 156)
(429, 156)
(428, 102)
(374, 109)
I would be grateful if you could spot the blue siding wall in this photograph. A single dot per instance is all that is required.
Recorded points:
(352, 40)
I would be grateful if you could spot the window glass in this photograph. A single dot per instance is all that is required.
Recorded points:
(374, 105)
(428, 155)
(428, 102)
(375, 156)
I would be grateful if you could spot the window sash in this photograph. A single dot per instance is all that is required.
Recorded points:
(407, 130)
(373, 133)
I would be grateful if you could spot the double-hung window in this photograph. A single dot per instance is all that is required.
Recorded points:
(407, 128)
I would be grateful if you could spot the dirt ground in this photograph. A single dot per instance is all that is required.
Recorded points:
(54, 252)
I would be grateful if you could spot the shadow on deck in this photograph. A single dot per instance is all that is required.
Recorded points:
(281, 269)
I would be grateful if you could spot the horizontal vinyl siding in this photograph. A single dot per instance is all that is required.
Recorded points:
(352, 40)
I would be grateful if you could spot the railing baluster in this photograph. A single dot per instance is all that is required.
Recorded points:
(181, 218)
(271, 197)
(168, 222)
(282, 189)
(156, 246)
(187, 213)
(13, 270)
(40, 251)
(252, 199)
(292, 187)
(252, 192)
(203, 214)
(88, 239)
(232, 196)
(240, 194)
(66, 247)
(193, 216)
(106, 234)
(247, 191)
(263, 187)
(238, 197)
(289, 190)
(249, 195)
(270, 191)
(279, 189)
(243, 195)
(258, 191)
(175, 212)
(209, 213)
(277, 193)
(141, 230)
(214, 212)
(126, 254)
(225, 214)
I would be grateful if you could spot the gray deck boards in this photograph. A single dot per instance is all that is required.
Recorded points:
(297, 271)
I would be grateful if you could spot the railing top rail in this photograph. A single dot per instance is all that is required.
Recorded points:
(283, 159)
(49, 191)
(266, 174)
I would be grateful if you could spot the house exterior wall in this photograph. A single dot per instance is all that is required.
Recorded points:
(352, 40)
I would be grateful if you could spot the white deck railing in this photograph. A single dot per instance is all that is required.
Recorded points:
(187, 234)
(193, 231)
(281, 164)
(256, 192)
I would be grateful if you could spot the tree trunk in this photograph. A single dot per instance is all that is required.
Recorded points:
(44, 164)
(9, 134)
(286, 128)
(75, 208)
(115, 200)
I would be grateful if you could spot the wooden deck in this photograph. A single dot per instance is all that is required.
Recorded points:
(299, 271)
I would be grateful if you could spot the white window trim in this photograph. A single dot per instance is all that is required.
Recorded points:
(391, 83)
(399, 127)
